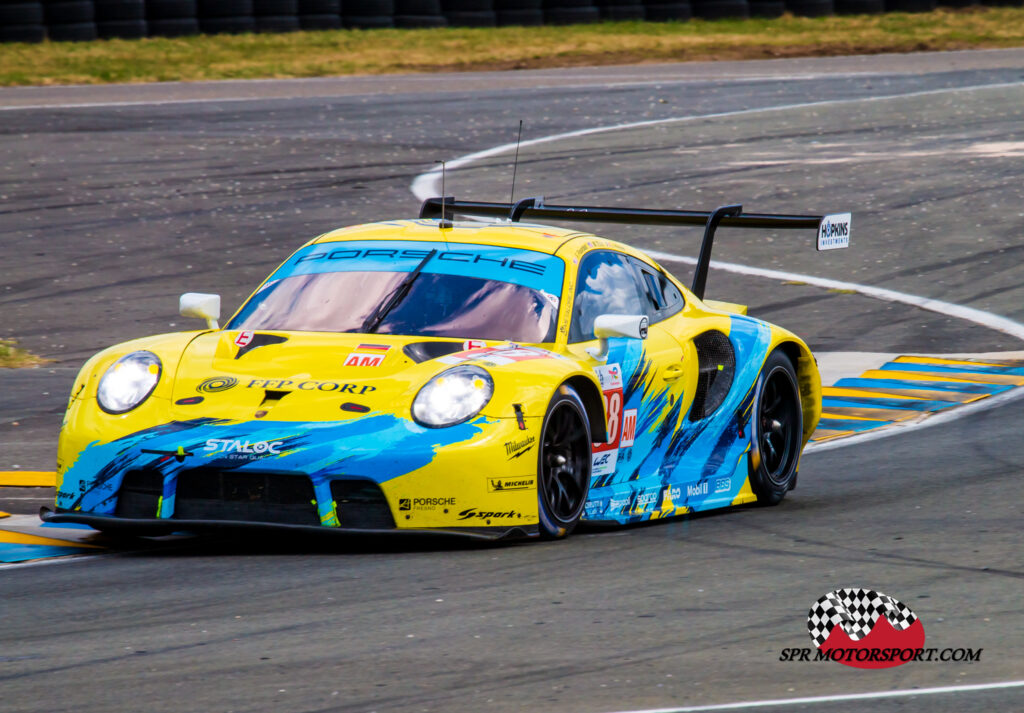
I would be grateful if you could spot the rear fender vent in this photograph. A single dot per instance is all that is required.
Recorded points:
(716, 367)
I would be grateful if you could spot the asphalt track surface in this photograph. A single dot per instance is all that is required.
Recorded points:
(109, 212)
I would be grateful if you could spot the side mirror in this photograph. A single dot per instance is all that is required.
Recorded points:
(631, 326)
(203, 306)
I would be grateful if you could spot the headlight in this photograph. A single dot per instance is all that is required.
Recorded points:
(453, 396)
(128, 382)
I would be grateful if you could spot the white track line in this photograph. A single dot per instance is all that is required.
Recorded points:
(427, 185)
(841, 698)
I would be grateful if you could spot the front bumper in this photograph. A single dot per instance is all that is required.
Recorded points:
(377, 474)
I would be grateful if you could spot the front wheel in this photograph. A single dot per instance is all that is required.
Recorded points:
(563, 467)
(776, 430)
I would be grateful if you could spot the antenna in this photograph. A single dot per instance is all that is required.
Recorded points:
(515, 164)
(444, 223)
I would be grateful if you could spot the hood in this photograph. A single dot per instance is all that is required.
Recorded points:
(297, 375)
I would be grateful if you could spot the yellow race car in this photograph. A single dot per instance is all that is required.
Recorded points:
(494, 380)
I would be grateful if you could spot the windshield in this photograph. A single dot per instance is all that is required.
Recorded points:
(472, 292)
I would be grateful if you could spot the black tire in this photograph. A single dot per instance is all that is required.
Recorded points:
(448, 6)
(319, 7)
(171, 10)
(368, 8)
(79, 32)
(22, 13)
(420, 21)
(277, 23)
(114, 10)
(776, 430)
(320, 22)
(22, 33)
(123, 29)
(563, 464)
(477, 18)
(909, 5)
(367, 22)
(862, 7)
(524, 18)
(275, 8)
(225, 8)
(767, 9)
(174, 27)
(720, 9)
(622, 12)
(417, 7)
(571, 15)
(811, 8)
(69, 13)
(674, 12)
(226, 25)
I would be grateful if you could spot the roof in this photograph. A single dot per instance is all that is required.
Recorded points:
(542, 238)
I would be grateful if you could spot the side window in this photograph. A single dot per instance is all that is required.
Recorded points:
(606, 284)
(662, 298)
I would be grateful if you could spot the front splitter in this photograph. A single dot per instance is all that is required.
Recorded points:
(152, 527)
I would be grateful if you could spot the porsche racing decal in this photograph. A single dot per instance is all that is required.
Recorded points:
(500, 355)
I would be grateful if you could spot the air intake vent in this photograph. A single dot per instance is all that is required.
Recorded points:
(140, 493)
(716, 366)
(361, 505)
(212, 494)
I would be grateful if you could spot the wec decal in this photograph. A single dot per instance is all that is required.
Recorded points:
(244, 338)
(606, 455)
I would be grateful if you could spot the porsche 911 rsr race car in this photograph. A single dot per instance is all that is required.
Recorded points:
(487, 379)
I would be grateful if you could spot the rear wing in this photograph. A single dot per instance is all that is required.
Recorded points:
(833, 230)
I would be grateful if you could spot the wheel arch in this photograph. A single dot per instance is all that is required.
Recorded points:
(808, 380)
(594, 405)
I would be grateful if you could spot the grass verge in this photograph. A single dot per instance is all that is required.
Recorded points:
(12, 357)
(346, 52)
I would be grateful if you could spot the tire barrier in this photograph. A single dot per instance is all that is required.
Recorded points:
(172, 18)
(319, 14)
(519, 12)
(22, 22)
(469, 13)
(419, 13)
(862, 7)
(570, 12)
(814, 8)
(121, 18)
(276, 15)
(667, 11)
(80, 20)
(909, 5)
(719, 9)
(617, 10)
(368, 14)
(226, 17)
(769, 8)
(70, 21)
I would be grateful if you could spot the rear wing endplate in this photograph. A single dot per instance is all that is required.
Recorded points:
(833, 230)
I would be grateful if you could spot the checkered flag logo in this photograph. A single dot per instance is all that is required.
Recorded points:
(856, 611)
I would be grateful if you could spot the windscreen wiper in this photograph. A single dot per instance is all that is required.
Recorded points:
(374, 320)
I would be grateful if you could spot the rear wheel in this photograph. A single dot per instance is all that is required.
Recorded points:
(563, 467)
(776, 430)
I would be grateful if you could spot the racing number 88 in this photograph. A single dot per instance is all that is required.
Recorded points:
(613, 407)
